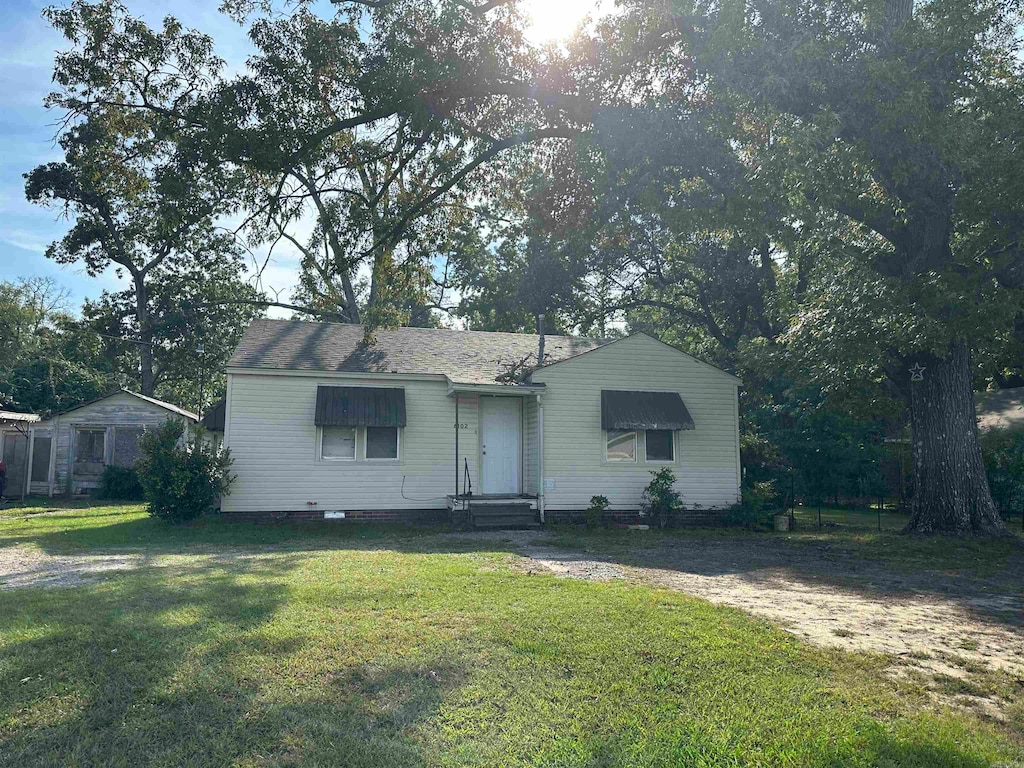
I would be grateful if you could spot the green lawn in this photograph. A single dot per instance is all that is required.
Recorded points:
(336, 645)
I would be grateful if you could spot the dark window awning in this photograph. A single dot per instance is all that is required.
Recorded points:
(643, 410)
(360, 407)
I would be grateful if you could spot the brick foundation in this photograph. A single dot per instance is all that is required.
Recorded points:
(409, 516)
(687, 518)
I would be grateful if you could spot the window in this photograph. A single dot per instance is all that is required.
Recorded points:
(89, 446)
(660, 445)
(621, 446)
(126, 445)
(382, 442)
(337, 443)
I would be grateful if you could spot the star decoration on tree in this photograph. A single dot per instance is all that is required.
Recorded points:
(917, 372)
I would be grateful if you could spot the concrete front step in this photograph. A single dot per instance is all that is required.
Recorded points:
(503, 516)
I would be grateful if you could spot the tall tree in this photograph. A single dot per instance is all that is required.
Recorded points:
(140, 190)
(903, 124)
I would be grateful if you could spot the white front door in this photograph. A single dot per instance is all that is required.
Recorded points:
(500, 427)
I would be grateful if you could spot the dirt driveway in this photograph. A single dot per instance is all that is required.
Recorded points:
(962, 638)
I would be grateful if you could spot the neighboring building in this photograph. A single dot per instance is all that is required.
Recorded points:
(68, 451)
(1000, 409)
(319, 423)
(14, 441)
(213, 422)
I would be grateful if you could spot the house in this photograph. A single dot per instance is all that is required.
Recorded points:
(320, 424)
(68, 451)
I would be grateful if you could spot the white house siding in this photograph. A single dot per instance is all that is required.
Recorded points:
(119, 410)
(531, 458)
(707, 457)
(273, 441)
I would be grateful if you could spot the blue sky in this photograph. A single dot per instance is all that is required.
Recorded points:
(27, 47)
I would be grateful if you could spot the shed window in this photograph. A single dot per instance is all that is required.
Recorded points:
(660, 445)
(126, 445)
(621, 446)
(90, 445)
(382, 442)
(338, 443)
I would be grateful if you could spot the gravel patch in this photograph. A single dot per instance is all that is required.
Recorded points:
(22, 567)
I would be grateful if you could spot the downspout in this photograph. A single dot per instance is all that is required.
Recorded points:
(540, 456)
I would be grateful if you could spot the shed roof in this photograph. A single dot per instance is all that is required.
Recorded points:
(471, 357)
(166, 406)
(215, 416)
(17, 416)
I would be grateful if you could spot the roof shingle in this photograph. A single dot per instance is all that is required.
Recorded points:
(465, 357)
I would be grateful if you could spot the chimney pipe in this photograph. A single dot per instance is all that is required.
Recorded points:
(540, 344)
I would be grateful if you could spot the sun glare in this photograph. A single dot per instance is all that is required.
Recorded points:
(553, 20)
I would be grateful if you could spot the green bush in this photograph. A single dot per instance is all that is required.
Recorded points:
(1003, 452)
(660, 500)
(594, 514)
(182, 476)
(119, 484)
(756, 508)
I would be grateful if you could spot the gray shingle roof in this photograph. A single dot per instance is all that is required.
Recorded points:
(465, 357)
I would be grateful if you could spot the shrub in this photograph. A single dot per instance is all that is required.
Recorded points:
(181, 477)
(119, 484)
(1003, 452)
(594, 514)
(757, 506)
(660, 500)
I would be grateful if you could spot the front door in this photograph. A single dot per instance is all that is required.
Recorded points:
(500, 429)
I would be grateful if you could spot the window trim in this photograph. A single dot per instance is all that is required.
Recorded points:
(636, 446)
(320, 445)
(672, 443)
(398, 446)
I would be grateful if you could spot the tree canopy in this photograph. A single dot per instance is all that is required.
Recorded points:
(822, 196)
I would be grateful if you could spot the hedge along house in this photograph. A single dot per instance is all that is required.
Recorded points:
(68, 451)
(322, 425)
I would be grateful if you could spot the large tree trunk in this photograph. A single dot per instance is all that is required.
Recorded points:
(951, 493)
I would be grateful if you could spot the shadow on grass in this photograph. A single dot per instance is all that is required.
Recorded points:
(151, 668)
(985, 577)
(286, 661)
